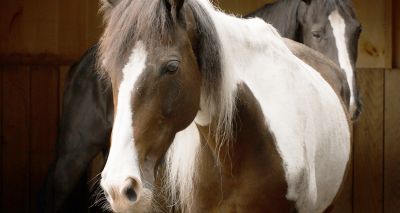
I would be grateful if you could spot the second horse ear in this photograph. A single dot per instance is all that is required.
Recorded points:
(302, 9)
(113, 3)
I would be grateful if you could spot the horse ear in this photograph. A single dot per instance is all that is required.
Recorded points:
(110, 3)
(113, 2)
(301, 10)
(174, 6)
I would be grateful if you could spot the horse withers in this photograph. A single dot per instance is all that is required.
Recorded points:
(263, 131)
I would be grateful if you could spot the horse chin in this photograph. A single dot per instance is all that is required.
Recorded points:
(142, 205)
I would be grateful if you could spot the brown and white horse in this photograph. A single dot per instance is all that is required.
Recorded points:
(235, 121)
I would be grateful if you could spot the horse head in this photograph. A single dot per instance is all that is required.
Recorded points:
(148, 51)
(331, 27)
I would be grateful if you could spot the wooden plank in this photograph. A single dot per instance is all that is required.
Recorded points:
(388, 34)
(14, 27)
(46, 25)
(95, 22)
(392, 142)
(44, 125)
(16, 139)
(72, 28)
(344, 203)
(1, 136)
(368, 144)
(62, 78)
(240, 6)
(37, 59)
(28, 27)
(374, 38)
(396, 34)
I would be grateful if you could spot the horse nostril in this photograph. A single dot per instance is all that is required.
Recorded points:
(129, 191)
(130, 194)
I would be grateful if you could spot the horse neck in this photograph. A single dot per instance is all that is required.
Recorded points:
(283, 16)
(243, 54)
(249, 156)
(249, 133)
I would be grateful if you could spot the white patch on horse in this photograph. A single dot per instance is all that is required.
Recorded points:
(203, 117)
(313, 139)
(339, 31)
(122, 162)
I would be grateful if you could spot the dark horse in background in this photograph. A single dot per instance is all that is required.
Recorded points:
(87, 117)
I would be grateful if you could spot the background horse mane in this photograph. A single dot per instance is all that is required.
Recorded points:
(331, 5)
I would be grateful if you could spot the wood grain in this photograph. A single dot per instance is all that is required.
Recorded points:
(241, 7)
(95, 22)
(396, 34)
(388, 34)
(16, 19)
(72, 28)
(38, 59)
(62, 79)
(46, 26)
(392, 142)
(1, 136)
(344, 202)
(28, 26)
(373, 42)
(368, 144)
(16, 129)
(44, 125)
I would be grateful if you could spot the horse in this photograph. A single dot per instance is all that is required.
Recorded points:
(330, 27)
(85, 97)
(84, 132)
(237, 120)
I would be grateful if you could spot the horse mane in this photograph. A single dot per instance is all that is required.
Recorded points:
(286, 22)
(346, 6)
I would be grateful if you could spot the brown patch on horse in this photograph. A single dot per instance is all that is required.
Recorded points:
(250, 175)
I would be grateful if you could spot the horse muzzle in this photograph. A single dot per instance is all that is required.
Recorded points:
(128, 195)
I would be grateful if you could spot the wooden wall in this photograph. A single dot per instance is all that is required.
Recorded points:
(40, 39)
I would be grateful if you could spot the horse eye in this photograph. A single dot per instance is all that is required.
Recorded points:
(172, 67)
(316, 34)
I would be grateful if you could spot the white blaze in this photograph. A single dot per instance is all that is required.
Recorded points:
(122, 161)
(339, 31)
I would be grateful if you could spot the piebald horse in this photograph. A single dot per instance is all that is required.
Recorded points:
(255, 128)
